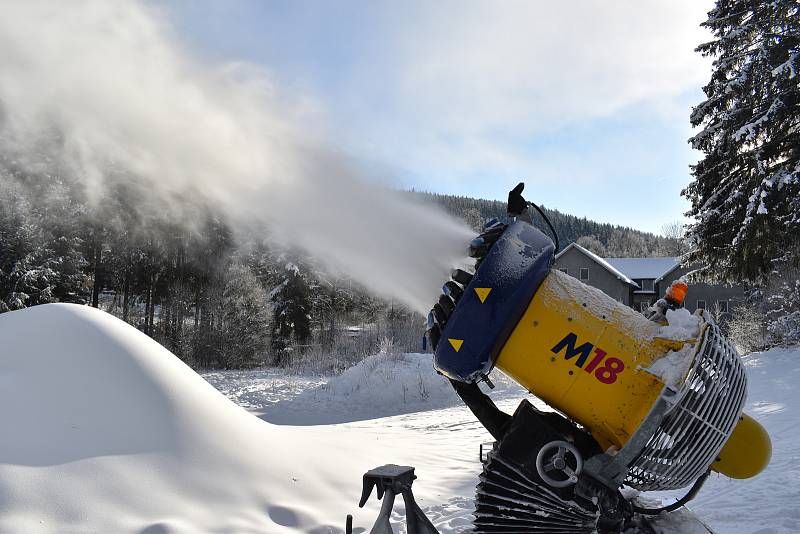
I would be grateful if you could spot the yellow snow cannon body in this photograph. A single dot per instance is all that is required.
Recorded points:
(665, 410)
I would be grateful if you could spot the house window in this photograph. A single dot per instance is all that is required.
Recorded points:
(701, 305)
(723, 306)
(584, 273)
(564, 270)
(646, 285)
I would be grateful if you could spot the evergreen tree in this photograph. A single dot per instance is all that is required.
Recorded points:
(291, 312)
(592, 244)
(783, 317)
(245, 319)
(18, 242)
(62, 222)
(472, 216)
(746, 190)
(40, 259)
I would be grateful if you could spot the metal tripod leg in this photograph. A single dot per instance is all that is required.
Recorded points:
(382, 525)
(416, 520)
(389, 480)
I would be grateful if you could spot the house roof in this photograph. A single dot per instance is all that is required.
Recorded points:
(600, 261)
(656, 268)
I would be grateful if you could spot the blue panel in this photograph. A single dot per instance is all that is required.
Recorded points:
(514, 269)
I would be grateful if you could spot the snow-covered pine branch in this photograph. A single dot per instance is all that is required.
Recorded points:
(746, 190)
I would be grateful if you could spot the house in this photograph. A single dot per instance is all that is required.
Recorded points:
(639, 282)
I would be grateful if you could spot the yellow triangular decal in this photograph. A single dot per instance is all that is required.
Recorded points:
(483, 292)
(456, 343)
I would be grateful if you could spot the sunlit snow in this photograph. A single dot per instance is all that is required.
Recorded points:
(106, 431)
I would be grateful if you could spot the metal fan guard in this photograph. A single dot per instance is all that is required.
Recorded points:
(693, 432)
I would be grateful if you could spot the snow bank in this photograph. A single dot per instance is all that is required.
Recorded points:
(385, 380)
(767, 503)
(382, 385)
(107, 431)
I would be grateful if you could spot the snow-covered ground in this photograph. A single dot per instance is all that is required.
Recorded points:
(770, 502)
(106, 431)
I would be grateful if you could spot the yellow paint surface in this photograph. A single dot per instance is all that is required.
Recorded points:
(610, 411)
(747, 452)
(456, 343)
(483, 293)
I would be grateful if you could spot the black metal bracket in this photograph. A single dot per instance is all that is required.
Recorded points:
(390, 480)
(611, 469)
(484, 450)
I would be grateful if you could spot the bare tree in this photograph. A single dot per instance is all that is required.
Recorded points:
(675, 242)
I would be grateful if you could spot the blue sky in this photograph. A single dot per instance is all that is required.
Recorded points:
(587, 102)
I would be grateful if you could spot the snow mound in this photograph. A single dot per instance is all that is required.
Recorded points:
(673, 367)
(107, 431)
(385, 381)
(382, 385)
(682, 325)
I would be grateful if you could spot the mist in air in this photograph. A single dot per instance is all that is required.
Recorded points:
(103, 88)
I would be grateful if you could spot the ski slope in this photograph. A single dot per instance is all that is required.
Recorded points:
(104, 430)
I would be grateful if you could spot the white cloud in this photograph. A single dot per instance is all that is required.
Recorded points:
(462, 85)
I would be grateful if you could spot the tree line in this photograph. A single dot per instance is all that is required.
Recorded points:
(607, 240)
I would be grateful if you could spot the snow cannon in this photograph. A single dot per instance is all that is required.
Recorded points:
(663, 402)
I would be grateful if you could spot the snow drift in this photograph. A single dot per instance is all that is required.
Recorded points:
(107, 431)
(382, 385)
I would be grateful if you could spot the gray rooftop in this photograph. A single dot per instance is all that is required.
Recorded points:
(644, 267)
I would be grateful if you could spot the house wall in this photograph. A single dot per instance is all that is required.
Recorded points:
(711, 294)
(648, 298)
(573, 260)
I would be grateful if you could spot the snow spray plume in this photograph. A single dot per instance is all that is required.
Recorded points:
(127, 99)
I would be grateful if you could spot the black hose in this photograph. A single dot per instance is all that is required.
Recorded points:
(680, 502)
(555, 235)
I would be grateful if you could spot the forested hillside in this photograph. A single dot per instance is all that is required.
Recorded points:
(603, 238)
